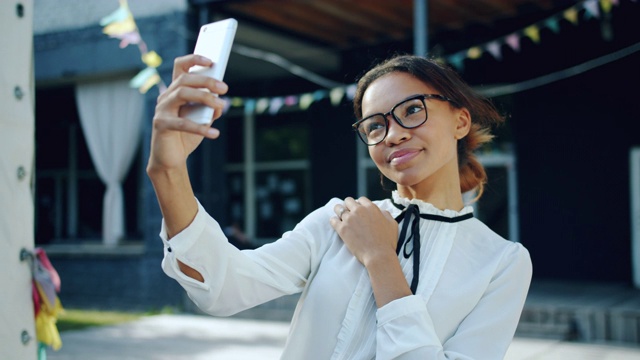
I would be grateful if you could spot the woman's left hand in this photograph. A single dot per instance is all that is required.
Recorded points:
(371, 235)
(368, 232)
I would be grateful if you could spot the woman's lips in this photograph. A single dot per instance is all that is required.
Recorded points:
(402, 156)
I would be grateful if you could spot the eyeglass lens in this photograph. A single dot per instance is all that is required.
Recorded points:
(409, 114)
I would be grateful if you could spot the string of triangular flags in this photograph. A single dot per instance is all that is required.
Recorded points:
(121, 25)
(592, 9)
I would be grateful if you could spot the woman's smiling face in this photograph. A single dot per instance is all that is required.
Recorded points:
(422, 160)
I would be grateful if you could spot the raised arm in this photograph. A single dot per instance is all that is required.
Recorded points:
(174, 138)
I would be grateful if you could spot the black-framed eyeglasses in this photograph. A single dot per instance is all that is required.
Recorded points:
(409, 113)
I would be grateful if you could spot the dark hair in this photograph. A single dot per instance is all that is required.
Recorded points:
(447, 82)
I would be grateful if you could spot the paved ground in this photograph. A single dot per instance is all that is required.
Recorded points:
(197, 337)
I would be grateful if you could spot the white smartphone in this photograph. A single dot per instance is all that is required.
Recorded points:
(214, 42)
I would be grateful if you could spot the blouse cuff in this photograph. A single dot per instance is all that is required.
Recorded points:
(180, 243)
(405, 330)
(401, 307)
(183, 246)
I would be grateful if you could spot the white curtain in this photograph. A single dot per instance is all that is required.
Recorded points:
(111, 117)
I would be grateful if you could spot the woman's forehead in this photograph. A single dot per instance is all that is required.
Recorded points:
(389, 89)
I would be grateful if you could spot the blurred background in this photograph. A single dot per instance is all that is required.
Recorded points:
(564, 171)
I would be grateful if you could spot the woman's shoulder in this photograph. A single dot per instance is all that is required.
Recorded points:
(476, 230)
(477, 234)
(489, 250)
(321, 215)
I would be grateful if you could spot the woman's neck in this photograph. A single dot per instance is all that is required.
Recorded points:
(445, 196)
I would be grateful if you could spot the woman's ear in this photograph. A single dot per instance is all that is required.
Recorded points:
(463, 123)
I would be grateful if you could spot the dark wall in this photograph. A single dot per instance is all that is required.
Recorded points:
(124, 282)
(572, 141)
(333, 152)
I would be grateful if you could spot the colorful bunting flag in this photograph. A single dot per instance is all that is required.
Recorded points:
(571, 15)
(351, 91)
(275, 104)
(606, 5)
(493, 48)
(249, 106)
(533, 33)
(457, 60)
(474, 53)
(120, 28)
(306, 100)
(120, 14)
(319, 95)
(553, 24)
(513, 41)
(237, 101)
(262, 105)
(336, 95)
(145, 79)
(291, 100)
(129, 39)
(152, 59)
(47, 306)
(149, 83)
(592, 9)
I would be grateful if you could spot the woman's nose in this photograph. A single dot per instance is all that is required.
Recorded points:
(396, 133)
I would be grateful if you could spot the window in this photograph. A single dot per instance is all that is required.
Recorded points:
(268, 173)
(69, 193)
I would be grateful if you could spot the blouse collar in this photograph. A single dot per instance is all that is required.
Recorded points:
(428, 208)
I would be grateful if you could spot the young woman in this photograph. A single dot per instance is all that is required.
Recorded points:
(411, 277)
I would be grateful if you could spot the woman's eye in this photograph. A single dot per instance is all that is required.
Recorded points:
(414, 110)
(373, 126)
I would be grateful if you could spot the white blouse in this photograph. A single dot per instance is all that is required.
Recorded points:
(471, 290)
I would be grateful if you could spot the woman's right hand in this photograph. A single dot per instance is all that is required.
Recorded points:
(173, 136)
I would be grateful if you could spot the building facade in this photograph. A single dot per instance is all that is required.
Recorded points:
(560, 171)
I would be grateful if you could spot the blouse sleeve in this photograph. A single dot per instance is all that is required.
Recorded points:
(236, 280)
(406, 331)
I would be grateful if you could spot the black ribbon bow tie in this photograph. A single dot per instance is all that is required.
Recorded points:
(404, 240)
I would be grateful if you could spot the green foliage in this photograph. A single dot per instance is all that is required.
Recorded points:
(73, 319)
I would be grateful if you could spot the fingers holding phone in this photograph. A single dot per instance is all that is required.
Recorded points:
(190, 104)
(174, 137)
(185, 89)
